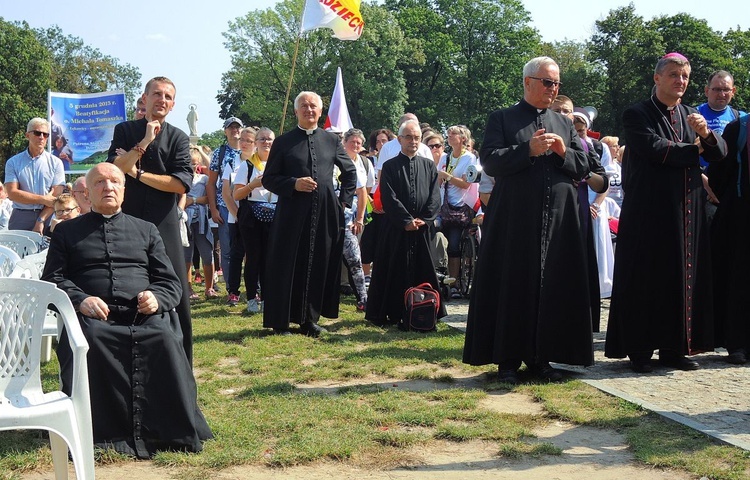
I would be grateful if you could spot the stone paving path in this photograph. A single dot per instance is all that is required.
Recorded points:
(714, 399)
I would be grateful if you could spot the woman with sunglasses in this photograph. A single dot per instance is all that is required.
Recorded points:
(436, 144)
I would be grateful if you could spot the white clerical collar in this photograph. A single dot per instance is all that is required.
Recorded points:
(111, 214)
(308, 131)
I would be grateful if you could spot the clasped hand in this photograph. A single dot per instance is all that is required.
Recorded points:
(541, 142)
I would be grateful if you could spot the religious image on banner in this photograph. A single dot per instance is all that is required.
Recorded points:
(341, 16)
(81, 126)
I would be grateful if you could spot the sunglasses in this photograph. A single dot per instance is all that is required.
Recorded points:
(40, 134)
(435, 145)
(547, 82)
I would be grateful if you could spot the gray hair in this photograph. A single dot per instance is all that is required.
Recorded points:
(408, 116)
(318, 100)
(673, 58)
(36, 122)
(533, 66)
(264, 129)
(406, 123)
(354, 132)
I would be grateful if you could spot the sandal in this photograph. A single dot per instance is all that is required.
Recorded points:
(194, 296)
(211, 293)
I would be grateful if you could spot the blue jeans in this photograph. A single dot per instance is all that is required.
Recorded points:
(225, 239)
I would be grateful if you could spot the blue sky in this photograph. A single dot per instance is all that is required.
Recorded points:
(183, 39)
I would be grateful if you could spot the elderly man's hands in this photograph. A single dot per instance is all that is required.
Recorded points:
(94, 307)
(147, 303)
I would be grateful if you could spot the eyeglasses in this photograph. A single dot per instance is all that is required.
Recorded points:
(435, 145)
(721, 90)
(548, 82)
(564, 111)
(77, 191)
(40, 134)
(264, 139)
(411, 138)
(64, 211)
(247, 140)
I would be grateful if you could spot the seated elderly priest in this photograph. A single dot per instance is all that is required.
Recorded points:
(115, 270)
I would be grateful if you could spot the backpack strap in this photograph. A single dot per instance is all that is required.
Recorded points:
(222, 153)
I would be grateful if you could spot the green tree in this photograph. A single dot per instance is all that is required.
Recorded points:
(475, 51)
(262, 45)
(738, 42)
(80, 68)
(25, 76)
(627, 50)
(583, 78)
(704, 47)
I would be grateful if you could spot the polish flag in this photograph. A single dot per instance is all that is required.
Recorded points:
(338, 119)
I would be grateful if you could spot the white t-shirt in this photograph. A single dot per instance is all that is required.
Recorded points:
(259, 194)
(392, 148)
(457, 167)
(228, 174)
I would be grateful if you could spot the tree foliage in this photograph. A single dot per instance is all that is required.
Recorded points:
(35, 61)
(262, 44)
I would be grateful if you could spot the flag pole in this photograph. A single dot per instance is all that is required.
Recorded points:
(294, 64)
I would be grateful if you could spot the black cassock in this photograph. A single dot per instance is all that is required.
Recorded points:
(307, 236)
(730, 244)
(143, 393)
(530, 298)
(409, 189)
(168, 154)
(662, 295)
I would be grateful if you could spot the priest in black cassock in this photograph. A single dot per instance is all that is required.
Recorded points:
(530, 299)
(155, 158)
(411, 200)
(730, 230)
(120, 280)
(307, 235)
(662, 296)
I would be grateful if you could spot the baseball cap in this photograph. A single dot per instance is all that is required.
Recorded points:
(232, 120)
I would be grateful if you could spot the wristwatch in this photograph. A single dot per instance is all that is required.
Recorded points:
(589, 175)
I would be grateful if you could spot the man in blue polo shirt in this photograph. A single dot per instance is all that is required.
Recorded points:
(719, 92)
(34, 178)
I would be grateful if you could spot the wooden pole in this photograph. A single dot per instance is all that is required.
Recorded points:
(289, 86)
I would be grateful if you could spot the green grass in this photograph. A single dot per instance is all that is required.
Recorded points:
(365, 395)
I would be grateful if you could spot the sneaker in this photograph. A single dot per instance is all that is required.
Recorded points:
(252, 306)
(233, 299)
(361, 306)
(211, 293)
(194, 296)
(367, 281)
(455, 293)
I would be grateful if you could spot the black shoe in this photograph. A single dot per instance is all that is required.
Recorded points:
(737, 357)
(641, 366)
(507, 376)
(545, 371)
(679, 362)
(312, 329)
(281, 331)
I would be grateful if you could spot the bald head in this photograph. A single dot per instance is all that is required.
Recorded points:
(105, 185)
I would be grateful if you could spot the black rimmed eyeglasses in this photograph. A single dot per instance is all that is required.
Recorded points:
(548, 82)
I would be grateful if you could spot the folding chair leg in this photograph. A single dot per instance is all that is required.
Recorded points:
(59, 455)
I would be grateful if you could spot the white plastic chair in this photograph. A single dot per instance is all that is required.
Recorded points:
(23, 404)
(19, 243)
(8, 260)
(30, 266)
(38, 238)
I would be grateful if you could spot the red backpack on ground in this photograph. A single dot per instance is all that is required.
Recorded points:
(422, 304)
